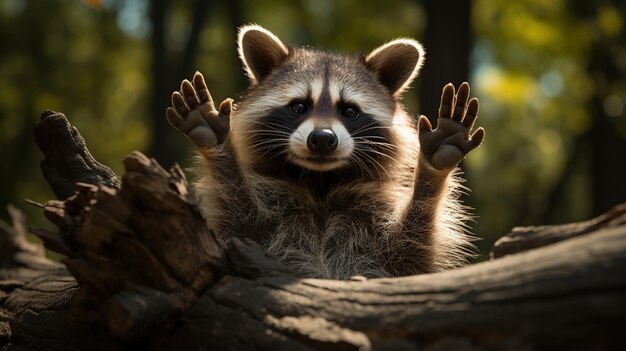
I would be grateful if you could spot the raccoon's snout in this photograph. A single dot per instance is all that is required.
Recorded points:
(322, 141)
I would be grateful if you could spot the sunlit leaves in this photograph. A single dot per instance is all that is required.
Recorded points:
(531, 72)
(610, 21)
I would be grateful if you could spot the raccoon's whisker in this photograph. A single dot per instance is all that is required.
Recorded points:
(359, 167)
(369, 140)
(370, 126)
(358, 153)
(272, 141)
(364, 130)
(379, 167)
(374, 145)
(273, 131)
(269, 148)
(370, 137)
(363, 167)
(265, 149)
(376, 163)
(271, 126)
(269, 144)
(385, 155)
(364, 127)
(362, 134)
(268, 132)
(303, 172)
(382, 149)
(354, 159)
(369, 145)
(267, 123)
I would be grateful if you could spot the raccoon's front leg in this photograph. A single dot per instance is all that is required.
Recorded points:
(193, 114)
(442, 149)
(440, 152)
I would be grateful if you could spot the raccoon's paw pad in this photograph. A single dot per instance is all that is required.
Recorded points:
(193, 113)
(447, 145)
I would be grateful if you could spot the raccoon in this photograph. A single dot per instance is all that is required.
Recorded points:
(321, 165)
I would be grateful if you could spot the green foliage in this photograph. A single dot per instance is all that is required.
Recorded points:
(68, 57)
(531, 71)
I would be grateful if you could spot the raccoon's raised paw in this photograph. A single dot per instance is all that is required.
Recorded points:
(447, 145)
(193, 113)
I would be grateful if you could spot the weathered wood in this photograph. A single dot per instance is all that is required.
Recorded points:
(527, 238)
(152, 276)
(141, 254)
(20, 260)
(22, 267)
(67, 160)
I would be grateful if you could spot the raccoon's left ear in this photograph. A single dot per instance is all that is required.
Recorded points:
(260, 51)
(396, 63)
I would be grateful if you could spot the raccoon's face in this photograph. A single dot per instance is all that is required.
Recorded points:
(320, 111)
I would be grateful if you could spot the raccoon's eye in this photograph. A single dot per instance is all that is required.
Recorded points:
(298, 108)
(349, 111)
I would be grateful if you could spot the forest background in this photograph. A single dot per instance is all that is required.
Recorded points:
(550, 75)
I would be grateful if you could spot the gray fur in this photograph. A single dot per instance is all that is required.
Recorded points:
(371, 219)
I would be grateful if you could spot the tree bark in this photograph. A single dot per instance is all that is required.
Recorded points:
(66, 158)
(527, 238)
(143, 272)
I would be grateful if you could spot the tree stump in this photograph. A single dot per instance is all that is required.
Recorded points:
(142, 271)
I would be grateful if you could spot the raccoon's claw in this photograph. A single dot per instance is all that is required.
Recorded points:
(447, 145)
(193, 113)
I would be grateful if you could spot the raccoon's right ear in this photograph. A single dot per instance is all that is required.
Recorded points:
(396, 63)
(260, 51)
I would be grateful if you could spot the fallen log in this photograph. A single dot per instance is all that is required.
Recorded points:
(526, 238)
(143, 272)
(67, 160)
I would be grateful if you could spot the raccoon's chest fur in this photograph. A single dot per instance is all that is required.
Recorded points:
(347, 231)
(338, 235)
(317, 238)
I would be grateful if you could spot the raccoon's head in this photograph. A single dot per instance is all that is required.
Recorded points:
(317, 110)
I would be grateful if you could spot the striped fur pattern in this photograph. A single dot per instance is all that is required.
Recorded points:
(354, 211)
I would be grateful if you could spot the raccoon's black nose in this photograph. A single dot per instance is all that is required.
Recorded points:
(322, 141)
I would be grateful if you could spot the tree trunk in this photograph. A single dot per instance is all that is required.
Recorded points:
(166, 71)
(447, 40)
(144, 272)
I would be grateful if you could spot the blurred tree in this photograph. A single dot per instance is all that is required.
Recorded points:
(607, 69)
(73, 58)
(447, 39)
(168, 69)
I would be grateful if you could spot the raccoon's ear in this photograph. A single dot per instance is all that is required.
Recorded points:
(396, 63)
(260, 51)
